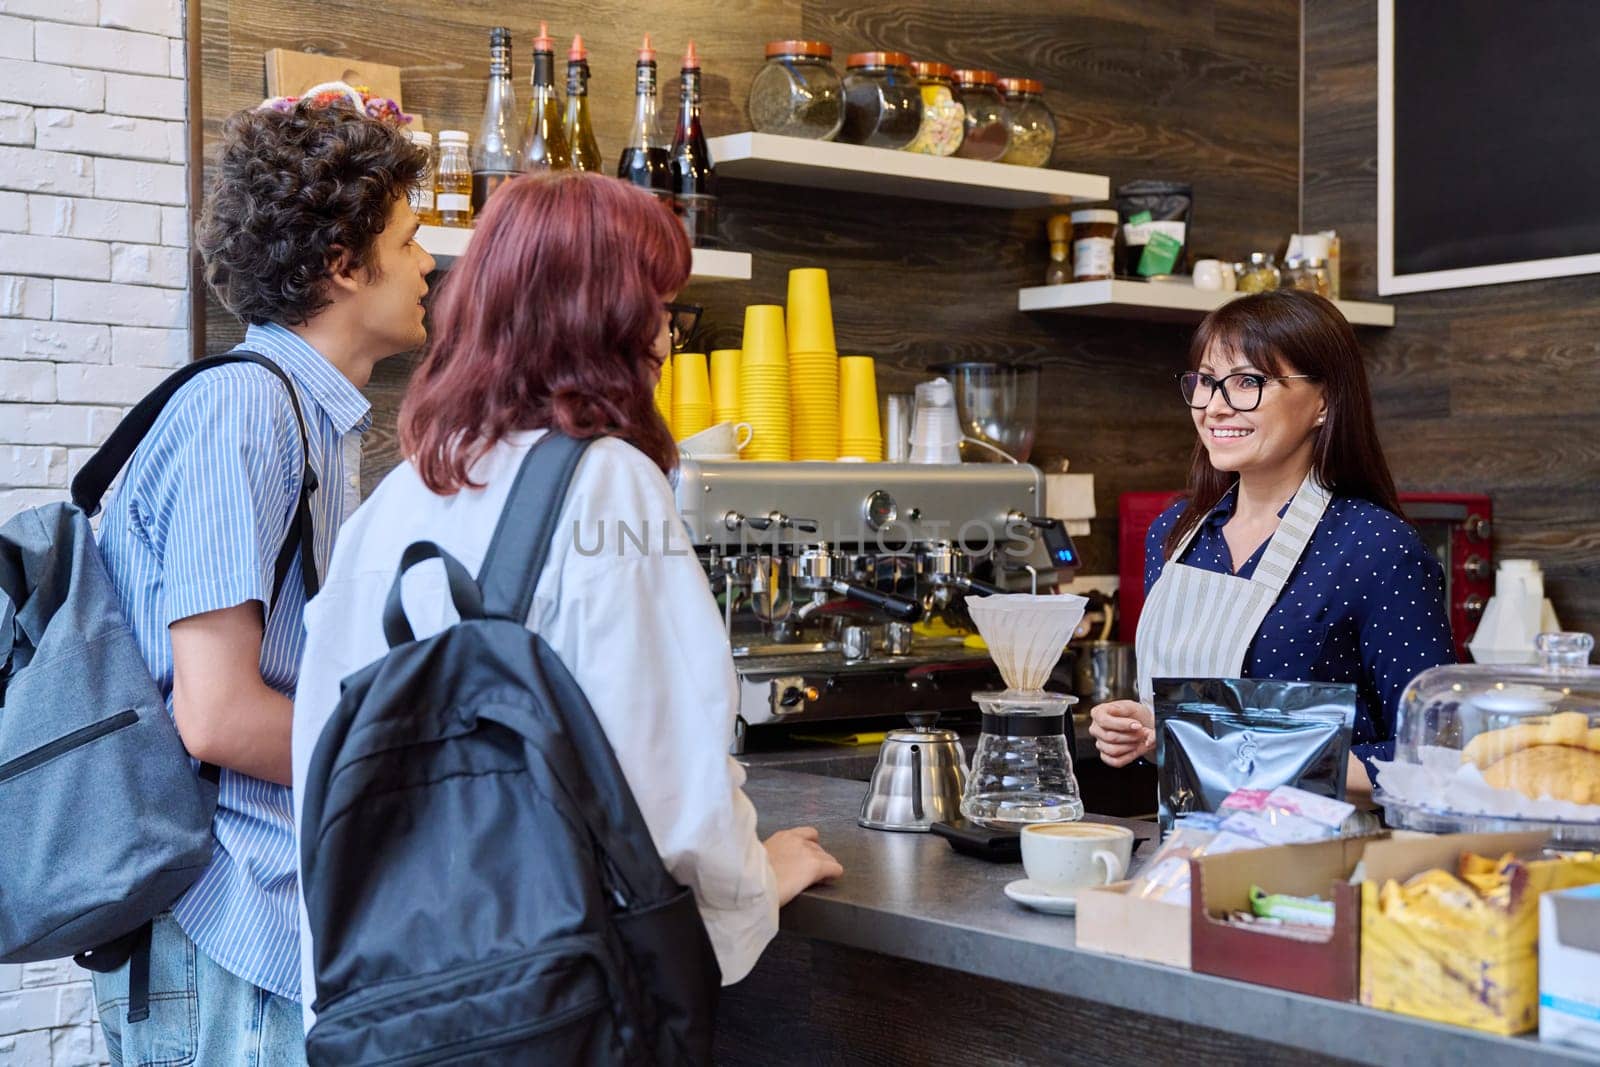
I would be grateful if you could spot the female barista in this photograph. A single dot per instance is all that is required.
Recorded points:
(1288, 558)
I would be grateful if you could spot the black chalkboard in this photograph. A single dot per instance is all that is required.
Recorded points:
(1496, 132)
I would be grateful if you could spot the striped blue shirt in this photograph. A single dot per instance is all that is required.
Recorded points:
(195, 526)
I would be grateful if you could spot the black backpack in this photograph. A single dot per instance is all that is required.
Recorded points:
(480, 884)
(102, 822)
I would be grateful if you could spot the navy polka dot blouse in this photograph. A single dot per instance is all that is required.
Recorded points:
(1364, 605)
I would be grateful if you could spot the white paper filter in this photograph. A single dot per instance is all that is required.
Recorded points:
(1026, 634)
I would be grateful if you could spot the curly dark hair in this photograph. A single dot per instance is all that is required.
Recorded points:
(293, 189)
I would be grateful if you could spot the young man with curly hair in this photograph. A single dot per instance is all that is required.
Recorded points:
(308, 238)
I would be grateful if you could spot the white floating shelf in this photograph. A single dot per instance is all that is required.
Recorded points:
(765, 157)
(1163, 302)
(445, 243)
(716, 265)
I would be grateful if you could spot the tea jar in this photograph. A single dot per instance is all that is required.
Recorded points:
(797, 92)
(988, 118)
(882, 103)
(1033, 128)
(943, 117)
(1260, 274)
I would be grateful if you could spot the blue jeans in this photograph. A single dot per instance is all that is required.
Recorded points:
(199, 1013)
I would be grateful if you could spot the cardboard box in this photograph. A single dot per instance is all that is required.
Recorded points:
(1455, 958)
(1113, 921)
(1569, 967)
(1320, 968)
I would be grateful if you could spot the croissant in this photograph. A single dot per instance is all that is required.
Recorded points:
(1560, 772)
(1569, 728)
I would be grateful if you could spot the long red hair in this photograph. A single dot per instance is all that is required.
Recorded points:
(1292, 332)
(548, 320)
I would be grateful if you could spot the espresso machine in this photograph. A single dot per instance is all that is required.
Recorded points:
(841, 583)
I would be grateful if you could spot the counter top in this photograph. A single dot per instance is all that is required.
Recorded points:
(909, 896)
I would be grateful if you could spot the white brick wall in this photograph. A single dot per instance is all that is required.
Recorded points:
(94, 296)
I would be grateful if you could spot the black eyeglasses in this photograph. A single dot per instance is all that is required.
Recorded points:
(684, 318)
(1241, 392)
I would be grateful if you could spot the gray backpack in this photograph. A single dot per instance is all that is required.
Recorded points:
(103, 824)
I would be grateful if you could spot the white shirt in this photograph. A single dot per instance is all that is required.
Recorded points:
(638, 629)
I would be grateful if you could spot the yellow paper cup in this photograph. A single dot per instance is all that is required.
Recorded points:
(858, 399)
(810, 311)
(691, 394)
(725, 384)
(764, 338)
(664, 393)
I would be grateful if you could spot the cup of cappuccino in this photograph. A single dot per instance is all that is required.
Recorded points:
(1066, 856)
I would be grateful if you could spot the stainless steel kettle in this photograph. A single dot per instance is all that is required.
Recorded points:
(919, 779)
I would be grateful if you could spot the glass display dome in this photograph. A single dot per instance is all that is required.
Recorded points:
(1491, 747)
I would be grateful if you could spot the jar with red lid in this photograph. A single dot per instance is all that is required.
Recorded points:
(882, 103)
(944, 120)
(1033, 128)
(988, 118)
(797, 92)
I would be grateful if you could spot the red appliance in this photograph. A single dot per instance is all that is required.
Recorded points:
(1456, 527)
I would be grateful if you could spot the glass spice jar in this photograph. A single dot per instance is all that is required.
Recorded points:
(1260, 274)
(453, 182)
(797, 92)
(1094, 244)
(1033, 128)
(882, 102)
(421, 194)
(988, 119)
(943, 118)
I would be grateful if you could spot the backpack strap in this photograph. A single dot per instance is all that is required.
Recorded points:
(101, 470)
(521, 542)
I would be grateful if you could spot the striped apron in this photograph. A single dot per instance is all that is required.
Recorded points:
(1198, 623)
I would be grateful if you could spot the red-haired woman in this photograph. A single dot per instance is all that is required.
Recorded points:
(555, 317)
(1289, 557)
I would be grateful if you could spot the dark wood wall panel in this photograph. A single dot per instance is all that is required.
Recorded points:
(1494, 389)
(1201, 90)
(811, 1002)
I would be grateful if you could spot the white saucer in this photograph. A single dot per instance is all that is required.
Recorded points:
(1027, 891)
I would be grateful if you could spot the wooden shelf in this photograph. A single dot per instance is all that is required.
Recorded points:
(445, 243)
(765, 157)
(1162, 302)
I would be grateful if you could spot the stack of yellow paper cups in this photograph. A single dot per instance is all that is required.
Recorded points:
(691, 394)
(813, 366)
(764, 383)
(725, 385)
(664, 394)
(860, 437)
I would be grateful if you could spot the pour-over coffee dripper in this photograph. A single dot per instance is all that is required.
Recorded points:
(1022, 769)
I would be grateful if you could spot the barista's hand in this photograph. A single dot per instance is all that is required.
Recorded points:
(799, 861)
(1123, 730)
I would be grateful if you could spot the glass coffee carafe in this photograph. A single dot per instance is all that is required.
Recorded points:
(1022, 769)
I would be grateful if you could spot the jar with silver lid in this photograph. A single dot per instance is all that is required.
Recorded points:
(1260, 274)
(797, 92)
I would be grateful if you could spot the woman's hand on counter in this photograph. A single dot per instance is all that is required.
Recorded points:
(1123, 730)
(799, 861)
